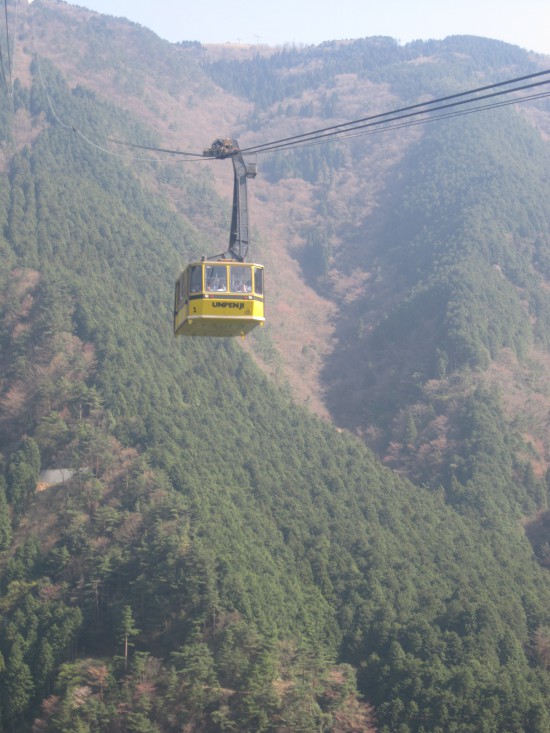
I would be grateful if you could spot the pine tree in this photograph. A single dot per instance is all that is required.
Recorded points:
(23, 472)
(127, 629)
(18, 687)
(5, 523)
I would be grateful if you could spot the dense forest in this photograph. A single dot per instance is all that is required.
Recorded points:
(218, 557)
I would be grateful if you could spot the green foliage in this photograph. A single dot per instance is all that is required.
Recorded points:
(22, 474)
(251, 552)
(5, 522)
(460, 274)
(470, 249)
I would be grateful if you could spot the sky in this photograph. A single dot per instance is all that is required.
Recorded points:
(525, 23)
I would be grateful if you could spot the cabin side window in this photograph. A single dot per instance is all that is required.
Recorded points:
(258, 281)
(195, 279)
(183, 289)
(177, 299)
(215, 278)
(241, 279)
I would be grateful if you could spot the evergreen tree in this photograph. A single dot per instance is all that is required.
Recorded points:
(126, 630)
(5, 522)
(22, 474)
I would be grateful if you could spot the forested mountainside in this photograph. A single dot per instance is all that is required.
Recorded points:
(221, 558)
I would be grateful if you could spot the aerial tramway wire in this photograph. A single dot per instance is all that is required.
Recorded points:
(152, 148)
(10, 87)
(354, 133)
(379, 120)
(4, 82)
(380, 115)
(383, 121)
(350, 134)
(81, 134)
(14, 43)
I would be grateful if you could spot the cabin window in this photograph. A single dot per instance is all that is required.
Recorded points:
(241, 279)
(216, 278)
(258, 281)
(181, 294)
(183, 289)
(195, 279)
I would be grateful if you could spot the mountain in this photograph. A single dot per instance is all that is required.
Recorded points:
(339, 524)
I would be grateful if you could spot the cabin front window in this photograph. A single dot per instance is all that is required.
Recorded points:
(241, 279)
(216, 278)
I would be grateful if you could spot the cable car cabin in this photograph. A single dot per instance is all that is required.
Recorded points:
(219, 298)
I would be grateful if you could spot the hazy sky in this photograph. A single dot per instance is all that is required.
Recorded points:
(525, 23)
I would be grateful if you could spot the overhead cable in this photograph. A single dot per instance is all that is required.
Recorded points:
(347, 135)
(2, 64)
(451, 105)
(10, 86)
(81, 134)
(394, 115)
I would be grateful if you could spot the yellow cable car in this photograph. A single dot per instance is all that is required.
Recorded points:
(223, 295)
(219, 298)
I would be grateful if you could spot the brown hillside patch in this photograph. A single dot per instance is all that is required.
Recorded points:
(40, 520)
(188, 119)
(525, 392)
(537, 531)
(300, 321)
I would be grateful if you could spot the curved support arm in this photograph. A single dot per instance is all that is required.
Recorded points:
(238, 237)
